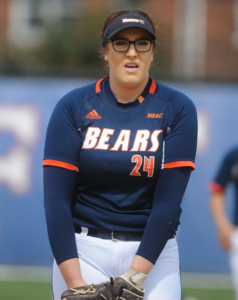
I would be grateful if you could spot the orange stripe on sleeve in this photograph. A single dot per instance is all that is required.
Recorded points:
(57, 163)
(214, 187)
(152, 87)
(177, 164)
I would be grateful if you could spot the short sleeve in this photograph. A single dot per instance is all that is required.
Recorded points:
(180, 143)
(63, 139)
(223, 175)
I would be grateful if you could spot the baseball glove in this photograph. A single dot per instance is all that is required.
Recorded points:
(114, 289)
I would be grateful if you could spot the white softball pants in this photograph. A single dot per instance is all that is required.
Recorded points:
(101, 259)
(233, 258)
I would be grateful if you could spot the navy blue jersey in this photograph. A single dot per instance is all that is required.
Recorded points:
(119, 156)
(227, 173)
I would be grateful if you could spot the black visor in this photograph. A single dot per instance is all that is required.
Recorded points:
(127, 21)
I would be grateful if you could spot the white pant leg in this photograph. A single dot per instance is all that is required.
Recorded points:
(58, 283)
(233, 258)
(101, 259)
(90, 275)
(164, 282)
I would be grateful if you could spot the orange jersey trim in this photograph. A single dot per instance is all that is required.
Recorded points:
(177, 164)
(152, 87)
(214, 187)
(61, 164)
(98, 85)
(151, 90)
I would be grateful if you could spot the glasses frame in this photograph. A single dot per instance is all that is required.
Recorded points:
(131, 42)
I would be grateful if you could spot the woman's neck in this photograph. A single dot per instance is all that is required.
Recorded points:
(126, 93)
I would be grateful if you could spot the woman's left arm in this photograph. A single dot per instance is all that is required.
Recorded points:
(178, 155)
(162, 222)
(165, 213)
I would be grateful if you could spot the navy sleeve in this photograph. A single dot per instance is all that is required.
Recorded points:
(165, 212)
(63, 138)
(223, 175)
(59, 195)
(179, 148)
(62, 147)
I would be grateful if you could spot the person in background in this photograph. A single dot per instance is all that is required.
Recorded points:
(227, 230)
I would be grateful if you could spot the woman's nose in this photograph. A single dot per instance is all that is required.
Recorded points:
(131, 51)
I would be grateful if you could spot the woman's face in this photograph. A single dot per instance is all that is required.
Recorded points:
(130, 67)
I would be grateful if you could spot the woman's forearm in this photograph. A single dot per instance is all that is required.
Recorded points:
(141, 264)
(70, 269)
(165, 212)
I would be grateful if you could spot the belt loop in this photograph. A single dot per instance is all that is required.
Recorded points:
(84, 231)
(115, 240)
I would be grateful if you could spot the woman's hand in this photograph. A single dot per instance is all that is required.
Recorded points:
(134, 277)
(117, 288)
(76, 283)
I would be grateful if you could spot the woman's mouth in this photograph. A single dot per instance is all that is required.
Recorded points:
(131, 66)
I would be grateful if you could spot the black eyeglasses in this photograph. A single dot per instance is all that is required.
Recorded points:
(122, 45)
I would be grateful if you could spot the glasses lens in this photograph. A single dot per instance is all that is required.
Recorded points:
(143, 45)
(120, 45)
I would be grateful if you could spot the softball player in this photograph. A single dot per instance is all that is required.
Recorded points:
(118, 157)
(227, 230)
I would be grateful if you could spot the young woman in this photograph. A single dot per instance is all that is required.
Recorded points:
(118, 157)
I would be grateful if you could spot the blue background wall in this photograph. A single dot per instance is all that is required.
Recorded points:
(23, 235)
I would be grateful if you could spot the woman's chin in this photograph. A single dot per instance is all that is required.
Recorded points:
(131, 79)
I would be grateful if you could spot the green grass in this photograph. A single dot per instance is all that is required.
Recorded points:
(25, 291)
(42, 291)
(206, 294)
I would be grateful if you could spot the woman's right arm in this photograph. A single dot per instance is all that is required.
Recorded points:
(217, 201)
(62, 147)
(71, 272)
(224, 227)
(59, 192)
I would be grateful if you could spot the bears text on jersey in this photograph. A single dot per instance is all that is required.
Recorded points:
(97, 138)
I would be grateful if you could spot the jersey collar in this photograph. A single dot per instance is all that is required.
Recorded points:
(151, 90)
